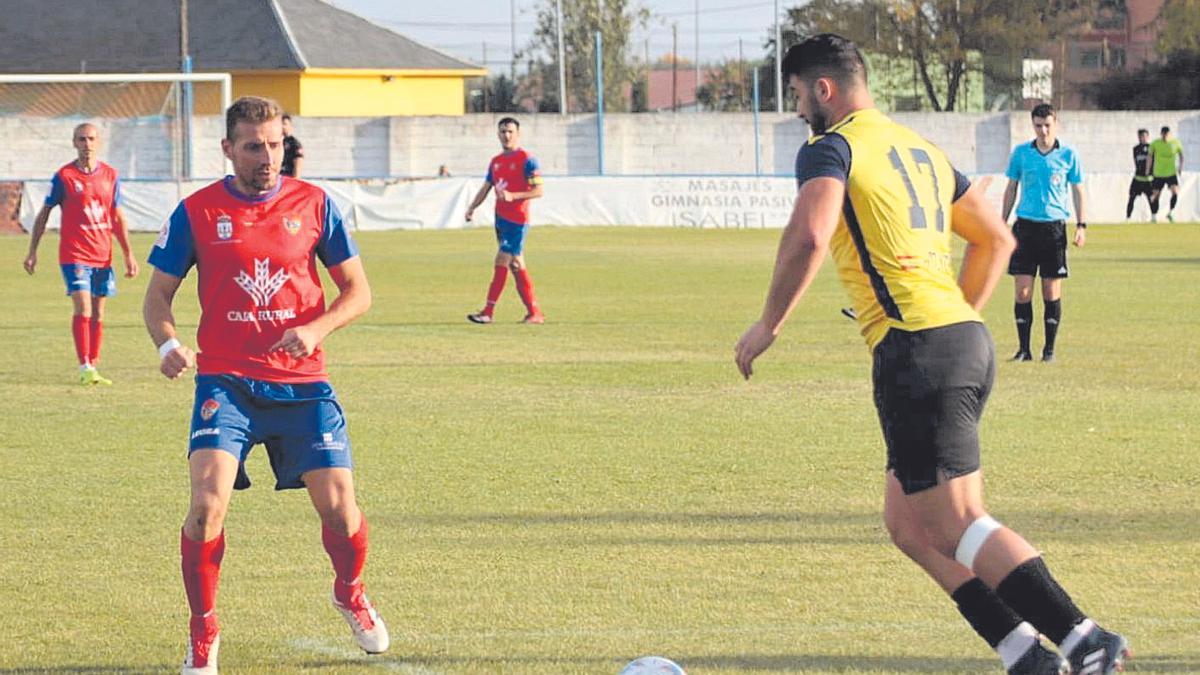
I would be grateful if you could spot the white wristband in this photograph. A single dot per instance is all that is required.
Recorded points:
(168, 347)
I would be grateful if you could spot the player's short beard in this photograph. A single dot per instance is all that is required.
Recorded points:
(817, 118)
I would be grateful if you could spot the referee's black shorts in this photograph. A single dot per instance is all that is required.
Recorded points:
(930, 390)
(1041, 249)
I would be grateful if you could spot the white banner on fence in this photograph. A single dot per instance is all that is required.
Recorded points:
(708, 202)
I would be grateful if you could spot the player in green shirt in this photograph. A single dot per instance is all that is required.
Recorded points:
(1166, 163)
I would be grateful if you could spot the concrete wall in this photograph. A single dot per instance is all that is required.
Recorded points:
(662, 143)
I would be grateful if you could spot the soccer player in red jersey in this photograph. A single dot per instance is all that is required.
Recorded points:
(89, 193)
(517, 178)
(255, 239)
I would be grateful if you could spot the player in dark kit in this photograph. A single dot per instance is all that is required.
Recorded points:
(886, 203)
(293, 151)
(1142, 183)
(255, 239)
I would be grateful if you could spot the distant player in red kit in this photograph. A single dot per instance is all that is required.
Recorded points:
(255, 239)
(89, 193)
(517, 179)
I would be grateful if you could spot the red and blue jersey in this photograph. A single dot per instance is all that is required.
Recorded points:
(88, 200)
(257, 263)
(515, 171)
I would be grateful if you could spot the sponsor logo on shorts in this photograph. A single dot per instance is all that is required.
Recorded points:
(205, 432)
(208, 409)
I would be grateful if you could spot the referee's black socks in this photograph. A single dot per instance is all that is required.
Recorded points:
(1024, 313)
(1052, 317)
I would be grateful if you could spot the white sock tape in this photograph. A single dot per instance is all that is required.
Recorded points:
(973, 539)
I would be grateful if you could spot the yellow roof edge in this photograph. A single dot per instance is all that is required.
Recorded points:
(400, 72)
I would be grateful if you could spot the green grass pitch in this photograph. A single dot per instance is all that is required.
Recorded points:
(564, 498)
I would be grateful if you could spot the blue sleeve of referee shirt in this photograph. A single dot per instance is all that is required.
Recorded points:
(1075, 171)
(174, 252)
(335, 245)
(828, 156)
(1014, 164)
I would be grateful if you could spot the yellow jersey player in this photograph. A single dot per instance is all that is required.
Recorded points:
(886, 202)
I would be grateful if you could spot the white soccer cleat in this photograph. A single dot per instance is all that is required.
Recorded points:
(201, 657)
(369, 629)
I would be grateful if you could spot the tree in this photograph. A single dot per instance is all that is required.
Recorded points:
(727, 87)
(1180, 27)
(1170, 85)
(615, 20)
(938, 35)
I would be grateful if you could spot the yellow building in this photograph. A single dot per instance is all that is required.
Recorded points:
(315, 59)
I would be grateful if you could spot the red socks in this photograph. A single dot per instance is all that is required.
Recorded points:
(201, 571)
(525, 288)
(81, 331)
(97, 335)
(499, 276)
(348, 555)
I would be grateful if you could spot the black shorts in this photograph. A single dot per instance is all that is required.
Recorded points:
(1140, 187)
(930, 390)
(1041, 249)
(1160, 183)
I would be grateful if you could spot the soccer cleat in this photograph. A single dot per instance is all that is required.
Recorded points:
(1099, 653)
(1037, 660)
(1171, 216)
(479, 317)
(369, 630)
(89, 376)
(535, 317)
(1047, 357)
(1022, 355)
(1154, 218)
(97, 378)
(204, 640)
(849, 313)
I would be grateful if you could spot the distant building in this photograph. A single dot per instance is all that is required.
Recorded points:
(1123, 38)
(315, 59)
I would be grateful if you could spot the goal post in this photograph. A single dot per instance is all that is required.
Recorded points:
(155, 105)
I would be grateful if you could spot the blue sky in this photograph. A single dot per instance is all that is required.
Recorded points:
(461, 27)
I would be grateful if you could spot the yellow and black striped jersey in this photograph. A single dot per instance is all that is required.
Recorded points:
(892, 244)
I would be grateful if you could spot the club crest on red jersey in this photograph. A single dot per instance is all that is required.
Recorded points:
(208, 409)
(292, 225)
(78, 186)
(224, 226)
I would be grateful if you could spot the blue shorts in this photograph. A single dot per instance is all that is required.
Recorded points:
(301, 425)
(510, 236)
(95, 280)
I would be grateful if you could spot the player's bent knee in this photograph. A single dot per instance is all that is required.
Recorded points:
(973, 539)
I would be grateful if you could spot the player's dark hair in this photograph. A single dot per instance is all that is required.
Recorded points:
(286, 117)
(825, 55)
(253, 109)
(1165, 130)
(1143, 131)
(1042, 110)
(508, 120)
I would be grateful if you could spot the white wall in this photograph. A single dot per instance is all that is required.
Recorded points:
(653, 143)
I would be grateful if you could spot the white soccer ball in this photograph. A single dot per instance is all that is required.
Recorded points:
(652, 665)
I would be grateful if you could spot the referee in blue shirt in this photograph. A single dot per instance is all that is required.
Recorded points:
(1042, 169)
